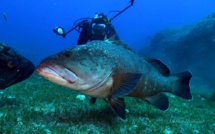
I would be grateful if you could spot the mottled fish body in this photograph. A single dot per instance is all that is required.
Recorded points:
(110, 70)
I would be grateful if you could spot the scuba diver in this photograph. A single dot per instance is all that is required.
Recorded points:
(97, 28)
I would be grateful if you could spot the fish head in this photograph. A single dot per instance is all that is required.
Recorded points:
(79, 68)
(14, 68)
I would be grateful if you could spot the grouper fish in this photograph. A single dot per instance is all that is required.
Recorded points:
(110, 70)
(14, 67)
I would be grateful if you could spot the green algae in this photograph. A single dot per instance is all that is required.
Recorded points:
(39, 106)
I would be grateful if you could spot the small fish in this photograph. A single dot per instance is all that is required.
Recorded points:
(4, 15)
(14, 68)
(111, 70)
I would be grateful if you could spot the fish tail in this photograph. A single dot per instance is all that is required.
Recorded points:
(182, 88)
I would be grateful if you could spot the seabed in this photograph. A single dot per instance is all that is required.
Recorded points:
(37, 106)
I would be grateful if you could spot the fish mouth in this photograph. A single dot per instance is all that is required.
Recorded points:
(53, 72)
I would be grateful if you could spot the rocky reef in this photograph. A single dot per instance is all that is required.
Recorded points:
(190, 47)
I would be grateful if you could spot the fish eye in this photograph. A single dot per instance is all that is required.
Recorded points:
(66, 55)
(11, 64)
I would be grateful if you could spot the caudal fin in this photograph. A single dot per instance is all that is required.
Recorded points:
(182, 88)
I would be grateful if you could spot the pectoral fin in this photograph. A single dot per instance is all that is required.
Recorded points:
(160, 101)
(117, 105)
(124, 84)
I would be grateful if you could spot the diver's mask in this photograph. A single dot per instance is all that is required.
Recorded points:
(98, 29)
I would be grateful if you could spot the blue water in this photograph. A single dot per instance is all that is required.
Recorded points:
(30, 22)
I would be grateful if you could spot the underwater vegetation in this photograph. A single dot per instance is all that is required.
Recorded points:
(39, 106)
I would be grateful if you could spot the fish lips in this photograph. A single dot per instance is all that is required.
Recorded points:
(51, 71)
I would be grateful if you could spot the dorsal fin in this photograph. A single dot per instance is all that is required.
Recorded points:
(120, 43)
(160, 66)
